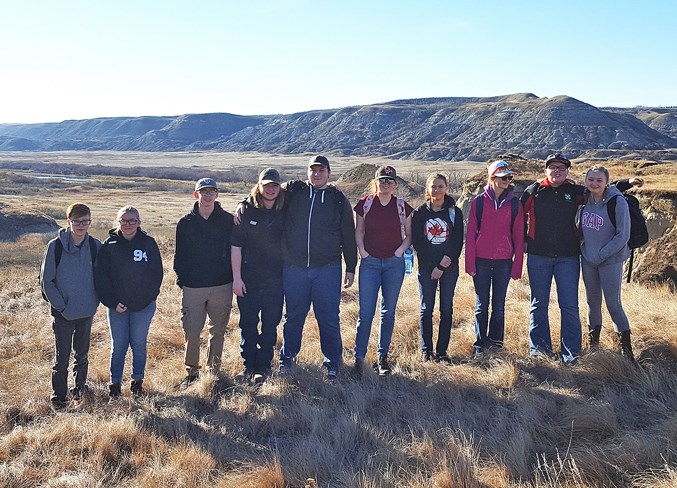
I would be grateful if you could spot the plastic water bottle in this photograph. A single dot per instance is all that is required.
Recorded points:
(408, 261)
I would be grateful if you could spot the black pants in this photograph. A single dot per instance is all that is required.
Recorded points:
(70, 335)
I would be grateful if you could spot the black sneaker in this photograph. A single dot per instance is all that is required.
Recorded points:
(137, 388)
(383, 366)
(427, 356)
(359, 367)
(332, 373)
(58, 405)
(80, 393)
(188, 380)
(244, 376)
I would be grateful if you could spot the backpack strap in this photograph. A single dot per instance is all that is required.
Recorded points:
(92, 249)
(58, 251)
(367, 205)
(611, 209)
(452, 215)
(402, 212)
(479, 208)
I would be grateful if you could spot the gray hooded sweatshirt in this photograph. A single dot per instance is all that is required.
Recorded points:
(69, 288)
(601, 242)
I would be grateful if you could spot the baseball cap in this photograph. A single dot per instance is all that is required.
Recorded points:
(499, 168)
(205, 183)
(319, 159)
(557, 157)
(269, 175)
(386, 172)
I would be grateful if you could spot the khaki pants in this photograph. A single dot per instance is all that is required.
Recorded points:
(196, 304)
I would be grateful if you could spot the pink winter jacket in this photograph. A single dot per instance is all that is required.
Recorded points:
(494, 240)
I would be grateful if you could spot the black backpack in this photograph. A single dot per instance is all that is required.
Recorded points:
(58, 251)
(639, 235)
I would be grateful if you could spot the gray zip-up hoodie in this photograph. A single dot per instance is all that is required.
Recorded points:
(69, 288)
(601, 242)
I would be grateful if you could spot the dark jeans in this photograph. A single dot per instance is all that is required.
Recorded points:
(262, 300)
(491, 279)
(70, 335)
(428, 289)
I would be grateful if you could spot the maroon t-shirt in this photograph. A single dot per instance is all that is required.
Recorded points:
(382, 234)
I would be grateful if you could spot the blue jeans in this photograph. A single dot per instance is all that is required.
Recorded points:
(386, 275)
(257, 348)
(70, 335)
(320, 286)
(428, 289)
(129, 329)
(566, 271)
(492, 278)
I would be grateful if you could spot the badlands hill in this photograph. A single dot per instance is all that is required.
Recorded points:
(454, 128)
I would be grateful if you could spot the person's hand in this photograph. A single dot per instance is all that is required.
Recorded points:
(237, 217)
(120, 308)
(639, 182)
(348, 280)
(445, 262)
(436, 274)
(239, 287)
(364, 254)
(399, 252)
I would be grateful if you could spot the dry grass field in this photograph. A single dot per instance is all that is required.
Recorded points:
(505, 421)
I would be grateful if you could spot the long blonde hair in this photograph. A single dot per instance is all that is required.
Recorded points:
(123, 211)
(258, 199)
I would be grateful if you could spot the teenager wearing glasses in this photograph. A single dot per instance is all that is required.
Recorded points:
(494, 249)
(127, 275)
(382, 234)
(67, 283)
(553, 249)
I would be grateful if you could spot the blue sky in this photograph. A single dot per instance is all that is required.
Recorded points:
(98, 58)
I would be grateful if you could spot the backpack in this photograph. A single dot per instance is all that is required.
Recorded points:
(479, 207)
(401, 211)
(639, 234)
(58, 251)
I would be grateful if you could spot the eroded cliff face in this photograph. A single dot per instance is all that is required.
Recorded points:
(654, 263)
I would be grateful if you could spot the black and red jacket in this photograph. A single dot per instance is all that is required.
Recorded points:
(550, 218)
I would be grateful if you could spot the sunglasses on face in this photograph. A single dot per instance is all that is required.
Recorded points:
(386, 180)
(504, 178)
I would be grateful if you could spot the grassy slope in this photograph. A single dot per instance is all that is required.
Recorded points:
(507, 421)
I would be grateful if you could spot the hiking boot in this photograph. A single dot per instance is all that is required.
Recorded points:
(383, 366)
(244, 376)
(332, 373)
(258, 378)
(137, 388)
(593, 337)
(359, 367)
(188, 380)
(427, 356)
(58, 405)
(114, 390)
(286, 366)
(81, 393)
(626, 346)
(443, 358)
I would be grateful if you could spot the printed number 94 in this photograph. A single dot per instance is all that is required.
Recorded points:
(139, 255)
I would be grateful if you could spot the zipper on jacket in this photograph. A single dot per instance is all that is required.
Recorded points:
(310, 217)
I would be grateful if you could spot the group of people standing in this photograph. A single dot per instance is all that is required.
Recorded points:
(283, 248)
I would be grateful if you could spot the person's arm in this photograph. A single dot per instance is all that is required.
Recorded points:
(622, 235)
(471, 240)
(457, 237)
(239, 287)
(359, 236)
(156, 269)
(48, 279)
(181, 251)
(406, 243)
(517, 243)
(348, 245)
(103, 282)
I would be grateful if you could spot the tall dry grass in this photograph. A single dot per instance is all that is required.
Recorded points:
(506, 421)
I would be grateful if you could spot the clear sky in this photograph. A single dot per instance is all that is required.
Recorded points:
(98, 58)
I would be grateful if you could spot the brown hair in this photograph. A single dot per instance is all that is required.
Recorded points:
(77, 210)
(432, 177)
(258, 199)
(598, 168)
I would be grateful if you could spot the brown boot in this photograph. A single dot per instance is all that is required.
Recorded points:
(626, 347)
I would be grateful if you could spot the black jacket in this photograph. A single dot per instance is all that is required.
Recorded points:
(260, 237)
(432, 240)
(318, 227)
(202, 256)
(128, 272)
(550, 218)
